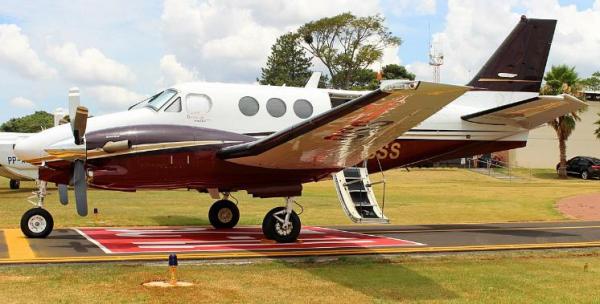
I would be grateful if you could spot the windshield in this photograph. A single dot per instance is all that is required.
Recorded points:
(158, 100)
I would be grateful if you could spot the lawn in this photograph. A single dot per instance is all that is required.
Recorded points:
(541, 277)
(421, 196)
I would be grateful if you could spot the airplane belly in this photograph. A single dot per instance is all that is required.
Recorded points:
(17, 174)
(408, 152)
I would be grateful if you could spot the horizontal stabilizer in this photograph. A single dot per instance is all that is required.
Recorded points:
(349, 133)
(528, 113)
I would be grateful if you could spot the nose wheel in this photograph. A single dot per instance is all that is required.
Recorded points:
(37, 223)
(15, 184)
(224, 214)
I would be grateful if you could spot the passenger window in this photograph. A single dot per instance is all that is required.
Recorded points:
(303, 108)
(248, 106)
(175, 106)
(276, 107)
(198, 104)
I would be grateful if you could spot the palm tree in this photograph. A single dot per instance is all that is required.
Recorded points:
(562, 79)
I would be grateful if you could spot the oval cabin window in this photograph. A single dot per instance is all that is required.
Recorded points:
(276, 107)
(248, 106)
(303, 108)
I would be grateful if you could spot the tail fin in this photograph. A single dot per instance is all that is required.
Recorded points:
(519, 63)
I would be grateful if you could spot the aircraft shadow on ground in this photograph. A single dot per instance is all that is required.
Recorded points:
(377, 277)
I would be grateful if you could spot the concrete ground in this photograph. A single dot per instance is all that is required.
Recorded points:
(155, 243)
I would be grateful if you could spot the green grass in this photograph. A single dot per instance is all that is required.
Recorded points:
(421, 196)
(489, 278)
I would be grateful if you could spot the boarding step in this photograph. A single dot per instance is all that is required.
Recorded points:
(355, 192)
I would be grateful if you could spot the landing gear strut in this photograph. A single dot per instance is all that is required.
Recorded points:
(224, 214)
(282, 224)
(15, 184)
(37, 222)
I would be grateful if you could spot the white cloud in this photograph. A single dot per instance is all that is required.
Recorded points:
(474, 29)
(406, 7)
(173, 72)
(23, 103)
(113, 98)
(230, 40)
(17, 54)
(90, 66)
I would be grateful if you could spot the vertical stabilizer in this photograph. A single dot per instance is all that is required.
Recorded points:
(519, 63)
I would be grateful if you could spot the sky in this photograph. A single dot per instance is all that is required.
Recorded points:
(119, 52)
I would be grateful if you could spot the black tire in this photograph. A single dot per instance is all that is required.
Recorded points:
(223, 214)
(269, 214)
(274, 231)
(15, 184)
(37, 223)
(585, 175)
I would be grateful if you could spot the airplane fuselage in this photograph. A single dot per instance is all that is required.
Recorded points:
(210, 116)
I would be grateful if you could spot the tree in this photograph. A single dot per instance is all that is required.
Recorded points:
(562, 79)
(592, 83)
(597, 132)
(287, 64)
(395, 71)
(347, 44)
(29, 124)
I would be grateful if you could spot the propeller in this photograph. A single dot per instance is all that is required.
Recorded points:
(78, 118)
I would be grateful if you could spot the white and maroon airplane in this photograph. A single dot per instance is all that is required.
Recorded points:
(220, 138)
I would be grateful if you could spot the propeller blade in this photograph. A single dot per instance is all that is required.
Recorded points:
(73, 104)
(80, 185)
(63, 194)
(79, 124)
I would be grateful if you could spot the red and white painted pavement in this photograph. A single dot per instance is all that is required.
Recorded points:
(200, 239)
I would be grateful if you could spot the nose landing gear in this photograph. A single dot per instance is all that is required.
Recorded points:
(37, 222)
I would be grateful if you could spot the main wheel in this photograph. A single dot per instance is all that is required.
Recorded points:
(15, 184)
(37, 223)
(224, 214)
(274, 229)
(584, 175)
(265, 222)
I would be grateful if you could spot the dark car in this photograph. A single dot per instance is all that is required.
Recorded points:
(583, 166)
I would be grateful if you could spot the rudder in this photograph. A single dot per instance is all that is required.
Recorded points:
(519, 63)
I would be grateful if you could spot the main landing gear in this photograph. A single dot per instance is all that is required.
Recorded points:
(224, 213)
(37, 222)
(282, 224)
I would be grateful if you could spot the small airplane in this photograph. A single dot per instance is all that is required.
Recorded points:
(10, 166)
(219, 138)
(13, 168)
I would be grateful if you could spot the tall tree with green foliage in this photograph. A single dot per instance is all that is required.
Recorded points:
(29, 124)
(347, 45)
(395, 71)
(592, 83)
(562, 79)
(287, 64)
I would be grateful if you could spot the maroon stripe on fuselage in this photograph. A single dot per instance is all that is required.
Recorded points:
(200, 168)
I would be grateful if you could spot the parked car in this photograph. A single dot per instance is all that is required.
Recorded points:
(583, 166)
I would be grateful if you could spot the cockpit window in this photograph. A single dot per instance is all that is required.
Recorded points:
(159, 100)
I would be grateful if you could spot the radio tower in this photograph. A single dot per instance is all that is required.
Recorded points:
(436, 59)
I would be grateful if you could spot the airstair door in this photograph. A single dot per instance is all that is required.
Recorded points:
(356, 195)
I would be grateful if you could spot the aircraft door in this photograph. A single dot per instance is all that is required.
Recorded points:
(197, 107)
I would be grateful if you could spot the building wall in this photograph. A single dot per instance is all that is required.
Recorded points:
(542, 147)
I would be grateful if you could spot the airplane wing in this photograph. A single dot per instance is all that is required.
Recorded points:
(349, 133)
(529, 113)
